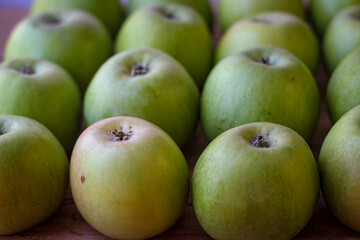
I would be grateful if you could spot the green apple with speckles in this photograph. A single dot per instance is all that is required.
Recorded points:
(175, 29)
(264, 84)
(33, 176)
(74, 39)
(257, 181)
(129, 179)
(202, 6)
(342, 36)
(43, 91)
(148, 84)
(108, 11)
(230, 11)
(339, 166)
(278, 29)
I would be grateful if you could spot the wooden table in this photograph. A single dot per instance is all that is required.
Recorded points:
(67, 223)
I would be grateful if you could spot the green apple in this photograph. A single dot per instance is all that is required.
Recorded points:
(33, 175)
(322, 11)
(230, 11)
(74, 39)
(277, 29)
(148, 84)
(265, 84)
(344, 86)
(258, 181)
(342, 36)
(109, 11)
(339, 166)
(129, 180)
(43, 91)
(175, 29)
(202, 6)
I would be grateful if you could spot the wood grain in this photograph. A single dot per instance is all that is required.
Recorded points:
(67, 223)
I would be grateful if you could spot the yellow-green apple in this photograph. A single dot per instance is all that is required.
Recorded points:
(339, 166)
(258, 181)
(264, 84)
(175, 29)
(73, 39)
(108, 11)
(128, 178)
(278, 29)
(230, 11)
(34, 173)
(322, 11)
(342, 36)
(148, 84)
(343, 91)
(43, 91)
(202, 6)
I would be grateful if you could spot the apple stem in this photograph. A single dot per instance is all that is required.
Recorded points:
(27, 70)
(139, 69)
(261, 141)
(120, 135)
(265, 60)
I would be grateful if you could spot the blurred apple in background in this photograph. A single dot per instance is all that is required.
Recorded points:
(43, 91)
(175, 29)
(148, 84)
(73, 39)
(128, 178)
(278, 29)
(322, 11)
(230, 11)
(202, 6)
(342, 36)
(265, 84)
(108, 11)
(257, 181)
(33, 176)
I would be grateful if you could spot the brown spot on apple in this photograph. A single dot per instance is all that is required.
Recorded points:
(82, 179)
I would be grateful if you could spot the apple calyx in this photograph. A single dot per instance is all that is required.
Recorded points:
(1, 132)
(120, 135)
(139, 69)
(50, 20)
(27, 70)
(261, 141)
(265, 60)
(261, 20)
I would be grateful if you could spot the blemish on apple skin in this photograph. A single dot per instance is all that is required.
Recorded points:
(293, 78)
(82, 179)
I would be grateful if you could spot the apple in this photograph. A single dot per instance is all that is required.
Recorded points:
(258, 181)
(129, 180)
(344, 86)
(33, 174)
(175, 29)
(339, 167)
(278, 29)
(43, 91)
(109, 11)
(322, 11)
(148, 84)
(264, 84)
(73, 39)
(202, 6)
(342, 36)
(230, 11)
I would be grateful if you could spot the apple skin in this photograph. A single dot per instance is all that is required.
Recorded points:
(202, 6)
(166, 95)
(230, 11)
(240, 89)
(322, 11)
(344, 86)
(73, 39)
(339, 168)
(34, 173)
(49, 95)
(347, 25)
(109, 11)
(240, 191)
(278, 29)
(184, 36)
(130, 189)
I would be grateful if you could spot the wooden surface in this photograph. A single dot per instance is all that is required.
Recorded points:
(67, 223)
